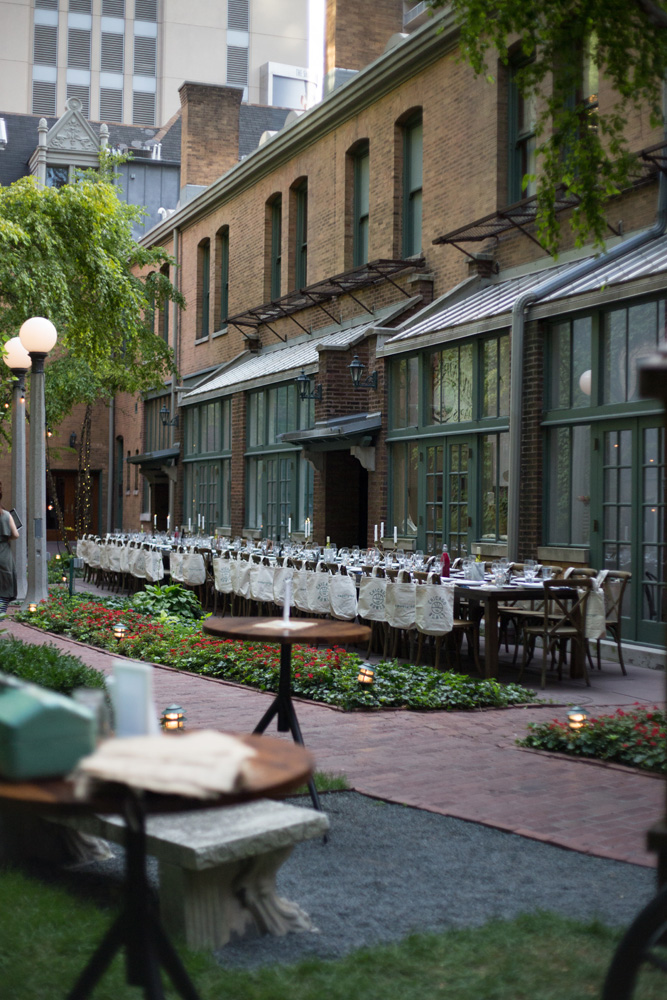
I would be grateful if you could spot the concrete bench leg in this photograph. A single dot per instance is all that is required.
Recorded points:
(209, 907)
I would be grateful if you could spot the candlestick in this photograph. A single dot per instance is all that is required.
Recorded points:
(287, 600)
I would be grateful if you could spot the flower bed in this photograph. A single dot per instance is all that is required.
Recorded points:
(637, 737)
(328, 675)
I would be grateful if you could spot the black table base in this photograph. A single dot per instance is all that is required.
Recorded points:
(282, 707)
(137, 929)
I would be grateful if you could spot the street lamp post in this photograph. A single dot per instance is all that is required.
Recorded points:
(38, 336)
(18, 360)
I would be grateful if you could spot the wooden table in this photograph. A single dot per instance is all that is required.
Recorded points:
(491, 598)
(277, 769)
(314, 632)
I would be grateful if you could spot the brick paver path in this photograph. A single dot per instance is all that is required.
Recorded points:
(460, 764)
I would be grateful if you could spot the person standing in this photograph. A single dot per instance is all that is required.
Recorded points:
(7, 568)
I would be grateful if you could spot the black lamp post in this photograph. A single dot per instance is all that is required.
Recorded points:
(303, 382)
(165, 414)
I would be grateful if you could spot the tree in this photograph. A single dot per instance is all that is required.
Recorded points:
(580, 146)
(69, 254)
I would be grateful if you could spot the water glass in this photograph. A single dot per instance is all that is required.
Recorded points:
(466, 565)
(529, 569)
(547, 572)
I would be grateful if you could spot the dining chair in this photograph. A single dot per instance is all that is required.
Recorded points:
(563, 620)
(613, 583)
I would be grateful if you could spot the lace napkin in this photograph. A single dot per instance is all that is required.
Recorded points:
(201, 764)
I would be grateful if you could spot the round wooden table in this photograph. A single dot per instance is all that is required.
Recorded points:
(314, 632)
(276, 769)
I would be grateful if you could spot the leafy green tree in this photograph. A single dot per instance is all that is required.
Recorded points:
(579, 145)
(69, 254)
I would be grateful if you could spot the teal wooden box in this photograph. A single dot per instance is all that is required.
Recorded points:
(42, 734)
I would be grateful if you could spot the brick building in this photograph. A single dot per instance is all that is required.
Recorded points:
(498, 409)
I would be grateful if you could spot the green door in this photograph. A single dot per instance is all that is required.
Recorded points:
(459, 525)
(628, 519)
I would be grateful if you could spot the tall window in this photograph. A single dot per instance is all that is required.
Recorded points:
(301, 236)
(204, 286)
(522, 139)
(360, 205)
(412, 186)
(207, 464)
(449, 443)
(276, 247)
(279, 480)
(165, 305)
(222, 273)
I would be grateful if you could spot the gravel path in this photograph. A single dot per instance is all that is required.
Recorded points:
(388, 870)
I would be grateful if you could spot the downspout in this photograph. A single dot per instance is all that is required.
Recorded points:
(519, 311)
(111, 485)
(176, 348)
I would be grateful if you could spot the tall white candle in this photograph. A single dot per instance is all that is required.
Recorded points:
(395, 534)
(381, 530)
(189, 524)
(155, 520)
(168, 520)
(375, 533)
(288, 600)
(289, 525)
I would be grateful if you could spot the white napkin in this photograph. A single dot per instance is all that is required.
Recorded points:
(201, 764)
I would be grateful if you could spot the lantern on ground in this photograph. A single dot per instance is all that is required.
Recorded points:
(119, 631)
(173, 718)
(577, 718)
(366, 676)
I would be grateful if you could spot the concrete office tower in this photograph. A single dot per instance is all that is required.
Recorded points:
(125, 59)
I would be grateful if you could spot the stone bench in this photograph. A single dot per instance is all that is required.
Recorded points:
(217, 867)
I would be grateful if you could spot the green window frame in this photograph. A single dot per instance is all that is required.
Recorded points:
(276, 246)
(450, 405)
(207, 448)
(522, 114)
(413, 135)
(301, 236)
(156, 436)
(204, 288)
(279, 481)
(223, 276)
(361, 205)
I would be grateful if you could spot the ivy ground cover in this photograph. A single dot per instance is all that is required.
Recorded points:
(636, 737)
(326, 675)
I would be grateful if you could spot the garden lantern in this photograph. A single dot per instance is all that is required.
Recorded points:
(577, 718)
(366, 676)
(32, 608)
(119, 631)
(173, 718)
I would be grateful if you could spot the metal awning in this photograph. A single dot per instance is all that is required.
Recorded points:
(317, 294)
(356, 428)
(155, 459)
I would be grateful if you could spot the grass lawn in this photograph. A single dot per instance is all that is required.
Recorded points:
(47, 937)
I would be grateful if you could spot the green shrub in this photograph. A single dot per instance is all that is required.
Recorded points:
(326, 675)
(637, 737)
(171, 600)
(47, 666)
(56, 568)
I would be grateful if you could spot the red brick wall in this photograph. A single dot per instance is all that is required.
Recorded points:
(356, 35)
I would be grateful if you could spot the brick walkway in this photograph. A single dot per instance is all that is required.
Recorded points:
(460, 764)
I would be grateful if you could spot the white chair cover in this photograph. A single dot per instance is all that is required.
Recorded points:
(125, 559)
(105, 552)
(222, 575)
(400, 603)
(318, 590)
(94, 555)
(241, 578)
(138, 563)
(434, 608)
(194, 569)
(280, 577)
(176, 567)
(343, 596)
(154, 566)
(261, 583)
(372, 597)
(300, 593)
(596, 619)
(114, 558)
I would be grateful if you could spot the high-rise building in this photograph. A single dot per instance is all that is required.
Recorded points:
(125, 59)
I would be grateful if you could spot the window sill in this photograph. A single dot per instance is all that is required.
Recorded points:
(220, 333)
(201, 340)
(563, 553)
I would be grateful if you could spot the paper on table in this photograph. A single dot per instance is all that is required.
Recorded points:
(202, 764)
